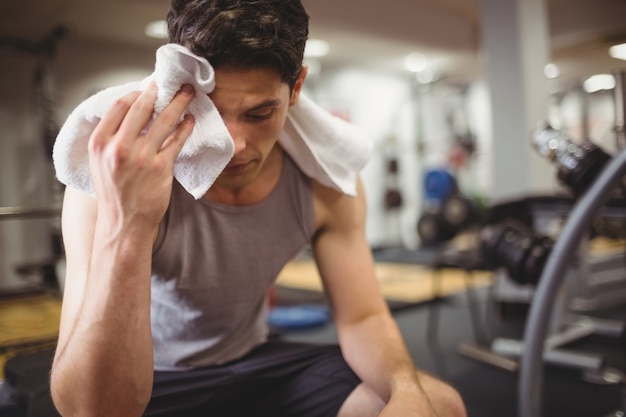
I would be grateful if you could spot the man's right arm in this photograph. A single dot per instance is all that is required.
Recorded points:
(103, 365)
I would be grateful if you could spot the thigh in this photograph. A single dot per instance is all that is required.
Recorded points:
(306, 381)
(184, 393)
(276, 379)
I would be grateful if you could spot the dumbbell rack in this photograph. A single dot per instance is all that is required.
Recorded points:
(593, 282)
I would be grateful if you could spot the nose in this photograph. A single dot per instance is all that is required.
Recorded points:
(237, 134)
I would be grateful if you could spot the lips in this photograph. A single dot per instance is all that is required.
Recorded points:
(235, 167)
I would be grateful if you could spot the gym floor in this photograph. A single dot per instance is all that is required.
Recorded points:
(435, 329)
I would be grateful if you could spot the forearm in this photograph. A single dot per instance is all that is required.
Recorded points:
(104, 359)
(105, 364)
(376, 351)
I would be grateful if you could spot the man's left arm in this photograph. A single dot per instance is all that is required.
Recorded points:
(369, 337)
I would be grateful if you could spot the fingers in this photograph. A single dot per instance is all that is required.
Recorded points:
(169, 119)
(130, 115)
(139, 113)
(173, 145)
(113, 118)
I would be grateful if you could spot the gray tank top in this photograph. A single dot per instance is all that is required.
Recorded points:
(213, 265)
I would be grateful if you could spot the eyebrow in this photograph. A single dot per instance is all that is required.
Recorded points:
(275, 102)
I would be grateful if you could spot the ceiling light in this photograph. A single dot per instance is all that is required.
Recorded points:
(316, 48)
(599, 82)
(618, 51)
(157, 29)
(551, 71)
(426, 76)
(415, 62)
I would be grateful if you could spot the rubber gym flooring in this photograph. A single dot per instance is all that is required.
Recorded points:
(435, 321)
(435, 330)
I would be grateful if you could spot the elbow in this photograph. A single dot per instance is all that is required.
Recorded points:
(77, 397)
(61, 398)
(67, 399)
(57, 392)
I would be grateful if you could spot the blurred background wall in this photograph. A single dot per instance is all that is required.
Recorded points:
(468, 109)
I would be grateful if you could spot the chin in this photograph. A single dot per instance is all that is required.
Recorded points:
(236, 180)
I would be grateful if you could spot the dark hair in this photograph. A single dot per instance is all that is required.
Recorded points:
(243, 34)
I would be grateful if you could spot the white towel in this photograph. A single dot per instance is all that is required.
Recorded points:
(325, 147)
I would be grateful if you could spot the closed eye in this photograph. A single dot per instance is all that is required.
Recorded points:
(263, 111)
(261, 115)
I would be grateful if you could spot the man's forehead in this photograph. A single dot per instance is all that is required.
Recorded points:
(249, 88)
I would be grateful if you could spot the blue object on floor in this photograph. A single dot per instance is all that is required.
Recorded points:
(298, 317)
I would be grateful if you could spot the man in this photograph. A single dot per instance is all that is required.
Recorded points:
(164, 302)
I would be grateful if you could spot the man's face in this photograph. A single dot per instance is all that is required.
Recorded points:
(253, 104)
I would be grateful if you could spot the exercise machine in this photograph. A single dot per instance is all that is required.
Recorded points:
(549, 286)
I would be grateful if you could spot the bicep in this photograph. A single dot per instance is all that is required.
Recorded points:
(345, 262)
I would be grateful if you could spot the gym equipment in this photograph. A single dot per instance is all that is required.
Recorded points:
(438, 184)
(536, 329)
(44, 270)
(620, 108)
(577, 164)
(27, 386)
(9, 402)
(447, 211)
(7, 213)
(442, 222)
(43, 51)
(298, 317)
(393, 196)
(515, 247)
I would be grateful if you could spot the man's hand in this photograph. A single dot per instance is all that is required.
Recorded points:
(132, 163)
(409, 405)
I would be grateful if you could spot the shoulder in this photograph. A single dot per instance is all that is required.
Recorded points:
(334, 209)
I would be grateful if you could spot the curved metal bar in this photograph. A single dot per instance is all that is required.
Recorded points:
(531, 376)
(18, 212)
(620, 108)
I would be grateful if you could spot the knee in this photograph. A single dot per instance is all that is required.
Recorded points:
(445, 400)
(362, 402)
(448, 402)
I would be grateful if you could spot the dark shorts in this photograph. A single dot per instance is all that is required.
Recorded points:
(276, 379)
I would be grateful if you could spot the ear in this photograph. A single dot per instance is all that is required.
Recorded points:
(297, 87)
